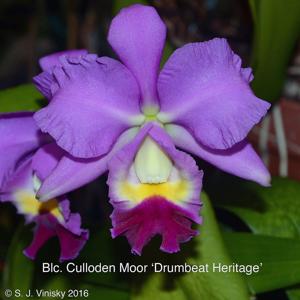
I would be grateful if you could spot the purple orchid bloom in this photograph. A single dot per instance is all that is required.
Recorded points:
(127, 117)
(27, 158)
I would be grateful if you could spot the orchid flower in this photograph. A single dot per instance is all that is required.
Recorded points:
(27, 157)
(129, 118)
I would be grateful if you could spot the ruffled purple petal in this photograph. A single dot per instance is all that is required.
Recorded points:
(52, 60)
(70, 244)
(47, 227)
(19, 137)
(42, 234)
(62, 179)
(245, 72)
(156, 214)
(46, 81)
(240, 160)
(71, 236)
(137, 35)
(203, 88)
(96, 101)
(153, 216)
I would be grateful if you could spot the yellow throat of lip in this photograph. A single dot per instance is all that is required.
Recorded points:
(29, 205)
(173, 191)
(153, 168)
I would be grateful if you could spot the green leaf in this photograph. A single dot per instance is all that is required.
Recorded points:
(276, 31)
(168, 50)
(94, 291)
(272, 211)
(119, 4)
(21, 98)
(293, 294)
(280, 258)
(17, 264)
(207, 248)
(108, 254)
(155, 286)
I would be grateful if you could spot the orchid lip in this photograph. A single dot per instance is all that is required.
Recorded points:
(154, 191)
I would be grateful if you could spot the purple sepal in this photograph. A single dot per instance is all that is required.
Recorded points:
(240, 160)
(140, 47)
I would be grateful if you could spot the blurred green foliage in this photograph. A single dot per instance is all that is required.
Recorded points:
(20, 98)
(279, 257)
(294, 293)
(272, 211)
(119, 4)
(273, 215)
(276, 30)
(17, 263)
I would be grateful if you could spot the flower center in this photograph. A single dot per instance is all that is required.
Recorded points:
(28, 204)
(151, 164)
(36, 183)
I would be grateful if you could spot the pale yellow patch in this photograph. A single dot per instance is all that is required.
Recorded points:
(28, 204)
(152, 165)
(173, 191)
